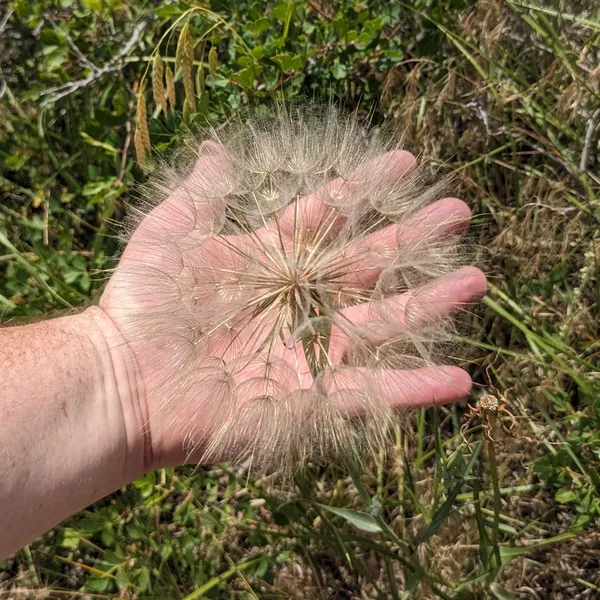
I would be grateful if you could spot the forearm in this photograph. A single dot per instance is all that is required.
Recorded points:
(67, 438)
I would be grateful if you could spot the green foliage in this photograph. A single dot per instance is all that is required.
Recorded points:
(500, 95)
(159, 533)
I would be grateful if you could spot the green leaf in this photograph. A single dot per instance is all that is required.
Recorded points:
(108, 537)
(245, 78)
(394, 54)
(443, 512)
(98, 144)
(339, 70)
(146, 484)
(262, 568)
(510, 553)
(259, 26)
(203, 104)
(364, 38)
(71, 275)
(96, 187)
(351, 35)
(217, 82)
(120, 101)
(122, 578)
(289, 63)
(341, 27)
(258, 52)
(500, 593)
(143, 579)
(308, 27)
(98, 584)
(134, 531)
(148, 479)
(361, 520)
(284, 11)
(565, 496)
(93, 5)
(166, 551)
(167, 10)
(90, 524)
(70, 539)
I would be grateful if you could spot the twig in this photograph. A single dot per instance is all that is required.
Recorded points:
(112, 65)
(523, 136)
(497, 502)
(3, 22)
(32, 256)
(80, 55)
(168, 59)
(125, 148)
(318, 9)
(5, 18)
(583, 164)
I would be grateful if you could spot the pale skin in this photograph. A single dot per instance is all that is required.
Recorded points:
(79, 417)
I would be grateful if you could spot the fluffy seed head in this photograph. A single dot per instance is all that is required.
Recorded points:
(279, 290)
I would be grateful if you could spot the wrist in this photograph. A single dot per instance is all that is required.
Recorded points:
(119, 381)
(71, 426)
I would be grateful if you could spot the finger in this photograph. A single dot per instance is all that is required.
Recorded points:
(415, 308)
(418, 234)
(444, 218)
(355, 390)
(442, 297)
(188, 214)
(376, 322)
(195, 206)
(445, 296)
(323, 210)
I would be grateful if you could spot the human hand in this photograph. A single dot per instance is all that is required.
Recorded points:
(241, 325)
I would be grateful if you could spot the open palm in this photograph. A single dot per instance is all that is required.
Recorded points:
(215, 322)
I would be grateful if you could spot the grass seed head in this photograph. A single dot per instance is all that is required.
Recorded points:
(158, 86)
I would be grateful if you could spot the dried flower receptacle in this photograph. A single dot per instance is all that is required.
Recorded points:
(288, 285)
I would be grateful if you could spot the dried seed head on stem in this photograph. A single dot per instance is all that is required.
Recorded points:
(288, 282)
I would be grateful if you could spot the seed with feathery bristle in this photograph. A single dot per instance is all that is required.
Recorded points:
(276, 278)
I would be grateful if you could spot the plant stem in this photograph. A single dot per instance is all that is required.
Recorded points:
(497, 500)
